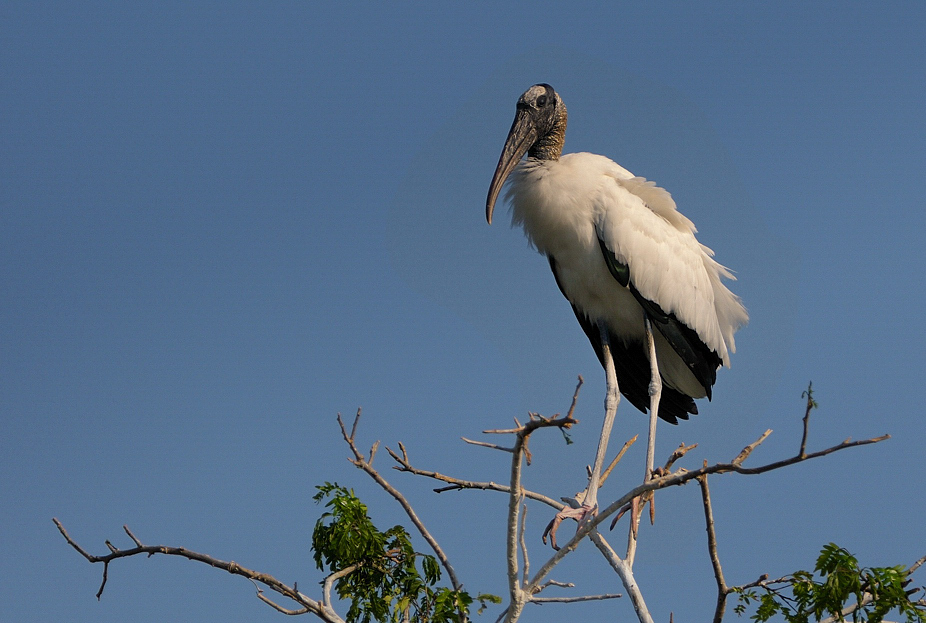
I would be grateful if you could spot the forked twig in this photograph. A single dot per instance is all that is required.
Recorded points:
(319, 608)
(360, 461)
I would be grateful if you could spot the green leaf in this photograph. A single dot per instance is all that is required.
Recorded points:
(385, 584)
(842, 584)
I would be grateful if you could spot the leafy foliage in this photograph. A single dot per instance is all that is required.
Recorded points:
(800, 598)
(383, 582)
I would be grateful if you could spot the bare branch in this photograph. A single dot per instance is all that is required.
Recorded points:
(330, 580)
(722, 590)
(763, 582)
(624, 571)
(620, 455)
(916, 565)
(811, 404)
(744, 454)
(520, 595)
(680, 451)
(132, 536)
(575, 399)
(523, 543)
(353, 429)
(570, 600)
(73, 544)
(489, 445)
(321, 610)
(680, 477)
(278, 607)
(549, 583)
(361, 462)
(515, 590)
(491, 486)
(457, 484)
(566, 421)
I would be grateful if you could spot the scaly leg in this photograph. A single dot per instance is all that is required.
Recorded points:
(655, 393)
(612, 398)
(589, 507)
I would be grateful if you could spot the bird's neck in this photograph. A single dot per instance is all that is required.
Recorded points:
(550, 145)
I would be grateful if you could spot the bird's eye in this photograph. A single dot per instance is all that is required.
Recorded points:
(541, 101)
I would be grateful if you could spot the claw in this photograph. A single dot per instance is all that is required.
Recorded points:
(581, 514)
(636, 507)
(620, 514)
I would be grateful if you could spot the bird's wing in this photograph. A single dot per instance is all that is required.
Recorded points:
(701, 360)
(638, 225)
(631, 365)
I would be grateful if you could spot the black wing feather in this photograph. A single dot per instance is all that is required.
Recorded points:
(701, 360)
(631, 365)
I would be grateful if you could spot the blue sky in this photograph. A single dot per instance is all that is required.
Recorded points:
(221, 224)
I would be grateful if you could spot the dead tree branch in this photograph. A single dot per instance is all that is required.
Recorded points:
(360, 461)
(524, 588)
(458, 484)
(722, 589)
(662, 478)
(321, 608)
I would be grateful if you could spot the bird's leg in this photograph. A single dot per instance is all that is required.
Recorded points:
(589, 506)
(612, 397)
(655, 393)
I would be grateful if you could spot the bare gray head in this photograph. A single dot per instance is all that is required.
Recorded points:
(539, 130)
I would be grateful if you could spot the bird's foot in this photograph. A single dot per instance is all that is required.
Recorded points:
(636, 507)
(582, 514)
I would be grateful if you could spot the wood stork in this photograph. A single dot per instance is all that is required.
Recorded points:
(625, 258)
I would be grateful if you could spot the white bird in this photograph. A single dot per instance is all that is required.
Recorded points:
(622, 255)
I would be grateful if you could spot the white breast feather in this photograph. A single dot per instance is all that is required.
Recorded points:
(565, 205)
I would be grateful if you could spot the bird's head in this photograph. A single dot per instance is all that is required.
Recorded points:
(539, 130)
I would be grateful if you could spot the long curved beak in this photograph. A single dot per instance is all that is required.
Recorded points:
(522, 135)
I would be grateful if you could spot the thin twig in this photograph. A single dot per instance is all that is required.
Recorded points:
(722, 590)
(489, 445)
(617, 459)
(575, 399)
(763, 582)
(916, 565)
(744, 454)
(363, 464)
(278, 607)
(353, 429)
(523, 543)
(132, 536)
(811, 405)
(457, 484)
(550, 583)
(680, 477)
(572, 600)
(321, 610)
(679, 452)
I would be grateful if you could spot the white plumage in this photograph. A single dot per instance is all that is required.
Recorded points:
(565, 206)
(620, 249)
